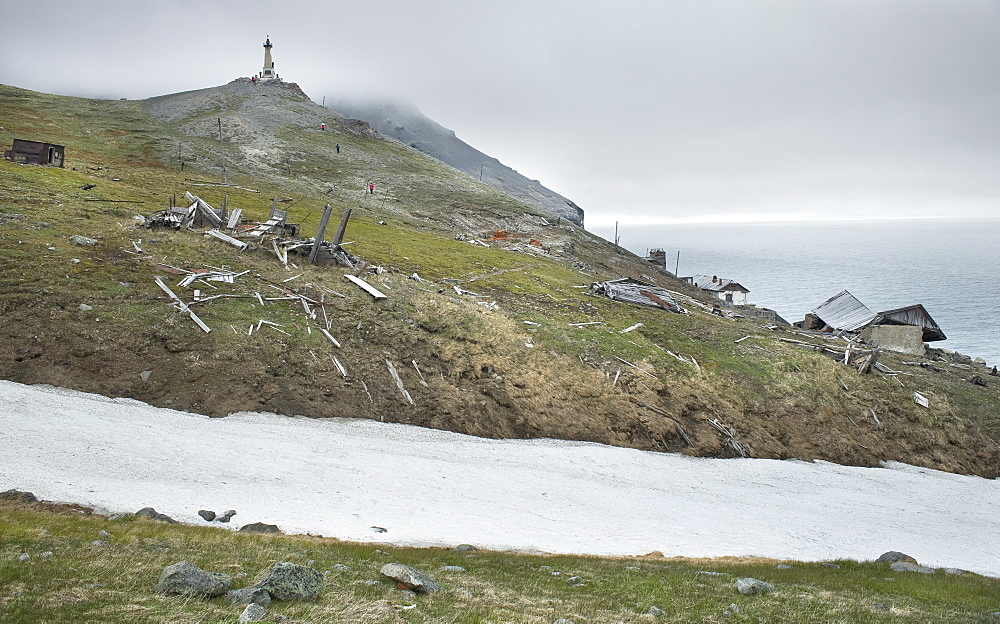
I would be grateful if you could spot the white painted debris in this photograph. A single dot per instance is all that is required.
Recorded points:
(371, 290)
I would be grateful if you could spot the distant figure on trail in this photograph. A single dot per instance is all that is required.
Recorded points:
(254, 79)
(338, 148)
(322, 126)
(371, 188)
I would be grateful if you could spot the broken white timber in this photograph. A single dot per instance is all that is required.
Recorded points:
(921, 400)
(227, 239)
(184, 307)
(632, 328)
(532, 323)
(330, 336)
(399, 382)
(739, 340)
(291, 278)
(340, 367)
(371, 290)
(423, 382)
(627, 363)
(259, 298)
(234, 218)
(587, 323)
(877, 421)
(205, 209)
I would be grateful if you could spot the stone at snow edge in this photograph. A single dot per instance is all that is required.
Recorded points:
(183, 578)
(893, 556)
(260, 527)
(410, 577)
(291, 581)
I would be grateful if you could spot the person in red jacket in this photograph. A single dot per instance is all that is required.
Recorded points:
(371, 188)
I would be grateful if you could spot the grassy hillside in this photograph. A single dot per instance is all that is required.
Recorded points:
(114, 581)
(511, 361)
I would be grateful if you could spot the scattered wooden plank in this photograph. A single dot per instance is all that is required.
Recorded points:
(921, 400)
(627, 363)
(371, 290)
(874, 417)
(227, 239)
(423, 382)
(330, 336)
(632, 328)
(184, 307)
(587, 323)
(234, 218)
(340, 367)
(739, 340)
(399, 382)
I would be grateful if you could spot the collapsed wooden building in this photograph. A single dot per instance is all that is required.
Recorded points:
(903, 329)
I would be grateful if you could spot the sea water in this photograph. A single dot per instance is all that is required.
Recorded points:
(952, 267)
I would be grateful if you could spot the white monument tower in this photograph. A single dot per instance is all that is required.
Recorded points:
(268, 73)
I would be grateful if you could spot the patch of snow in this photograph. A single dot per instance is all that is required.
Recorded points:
(340, 477)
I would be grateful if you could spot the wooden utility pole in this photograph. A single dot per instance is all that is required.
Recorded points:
(327, 210)
(339, 238)
(616, 237)
(677, 264)
(222, 153)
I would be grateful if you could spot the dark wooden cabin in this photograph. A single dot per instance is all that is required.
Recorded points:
(36, 153)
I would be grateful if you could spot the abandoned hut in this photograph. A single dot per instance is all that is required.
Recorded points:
(904, 329)
(723, 289)
(36, 153)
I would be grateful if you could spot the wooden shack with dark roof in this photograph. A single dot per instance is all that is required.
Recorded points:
(36, 153)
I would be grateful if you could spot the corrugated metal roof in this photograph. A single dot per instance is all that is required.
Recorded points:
(844, 311)
(705, 282)
(634, 291)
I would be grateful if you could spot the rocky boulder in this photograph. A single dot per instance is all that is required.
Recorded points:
(410, 578)
(906, 566)
(248, 595)
(18, 496)
(184, 579)
(752, 587)
(260, 527)
(291, 581)
(893, 556)
(152, 514)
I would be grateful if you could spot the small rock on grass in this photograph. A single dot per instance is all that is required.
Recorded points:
(183, 578)
(410, 577)
(248, 595)
(751, 586)
(24, 557)
(832, 566)
(655, 611)
(450, 568)
(906, 566)
(253, 613)
(291, 581)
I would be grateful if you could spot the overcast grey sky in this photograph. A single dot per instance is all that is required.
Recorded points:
(639, 111)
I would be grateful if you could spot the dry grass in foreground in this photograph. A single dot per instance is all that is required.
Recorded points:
(83, 582)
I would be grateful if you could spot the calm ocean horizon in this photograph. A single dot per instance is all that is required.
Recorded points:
(949, 266)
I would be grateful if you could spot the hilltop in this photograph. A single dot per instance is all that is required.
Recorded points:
(501, 335)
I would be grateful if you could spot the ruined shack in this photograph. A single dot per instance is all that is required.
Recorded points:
(903, 329)
(632, 290)
(36, 153)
